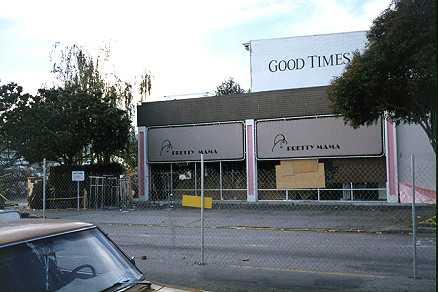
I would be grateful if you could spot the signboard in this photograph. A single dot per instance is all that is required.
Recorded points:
(299, 62)
(186, 143)
(78, 175)
(316, 137)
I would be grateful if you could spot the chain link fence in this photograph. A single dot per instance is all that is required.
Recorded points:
(329, 217)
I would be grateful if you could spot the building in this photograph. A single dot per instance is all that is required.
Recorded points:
(279, 142)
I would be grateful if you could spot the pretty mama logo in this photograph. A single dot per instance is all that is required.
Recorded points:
(167, 149)
(280, 142)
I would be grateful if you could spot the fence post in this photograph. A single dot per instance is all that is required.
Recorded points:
(220, 179)
(414, 221)
(351, 191)
(44, 188)
(171, 186)
(202, 209)
(196, 188)
(78, 196)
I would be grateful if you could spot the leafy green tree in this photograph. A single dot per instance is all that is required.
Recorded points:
(86, 118)
(17, 115)
(110, 129)
(229, 86)
(60, 124)
(395, 76)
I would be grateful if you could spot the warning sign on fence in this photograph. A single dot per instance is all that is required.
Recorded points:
(78, 175)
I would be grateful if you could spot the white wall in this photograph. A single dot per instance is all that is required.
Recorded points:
(299, 62)
(411, 139)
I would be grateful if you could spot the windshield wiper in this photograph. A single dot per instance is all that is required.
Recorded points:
(124, 281)
(120, 282)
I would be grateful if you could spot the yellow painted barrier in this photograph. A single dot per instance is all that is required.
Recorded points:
(195, 201)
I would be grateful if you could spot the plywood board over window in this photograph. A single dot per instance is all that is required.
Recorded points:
(300, 174)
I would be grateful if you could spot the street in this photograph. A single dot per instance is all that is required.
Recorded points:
(273, 250)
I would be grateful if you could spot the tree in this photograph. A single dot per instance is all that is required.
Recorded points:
(395, 75)
(229, 86)
(109, 131)
(85, 118)
(16, 121)
(145, 85)
(73, 66)
(12, 155)
(61, 124)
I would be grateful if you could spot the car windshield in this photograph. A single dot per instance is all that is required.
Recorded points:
(80, 261)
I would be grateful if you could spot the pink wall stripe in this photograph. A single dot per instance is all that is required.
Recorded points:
(391, 159)
(141, 165)
(250, 158)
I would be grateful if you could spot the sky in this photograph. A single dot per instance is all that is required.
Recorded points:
(188, 46)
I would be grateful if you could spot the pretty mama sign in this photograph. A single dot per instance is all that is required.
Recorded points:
(316, 137)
